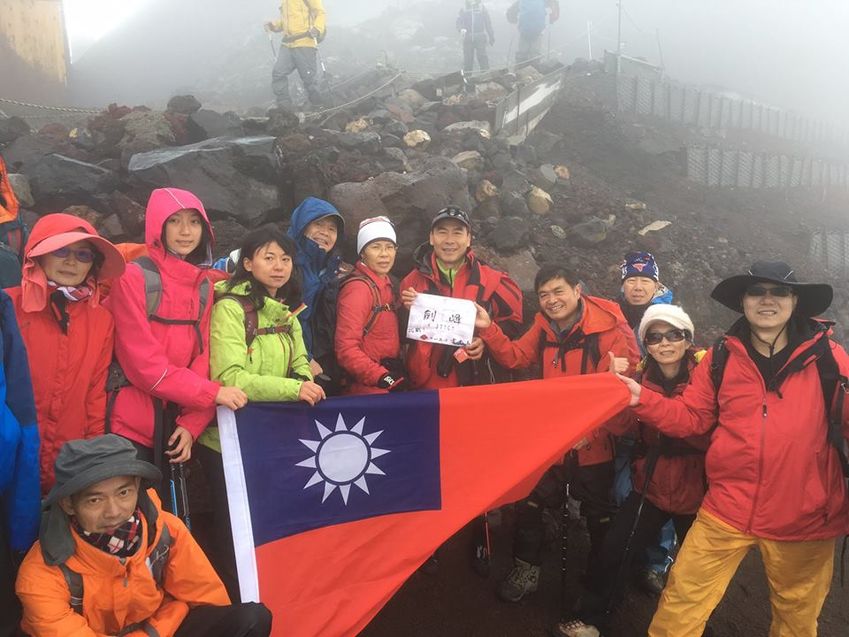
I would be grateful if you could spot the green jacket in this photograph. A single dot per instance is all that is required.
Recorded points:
(269, 370)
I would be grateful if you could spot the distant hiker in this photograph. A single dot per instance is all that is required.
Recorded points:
(669, 474)
(19, 492)
(475, 26)
(447, 266)
(368, 345)
(572, 334)
(642, 289)
(110, 561)
(255, 345)
(317, 229)
(162, 306)
(68, 333)
(13, 232)
(771, 394)
(530, 18)
(302, 23)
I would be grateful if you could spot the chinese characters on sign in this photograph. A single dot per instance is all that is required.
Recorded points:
(441, 320)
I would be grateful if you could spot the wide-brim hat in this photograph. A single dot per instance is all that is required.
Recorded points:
(82, 463)
(113, 263)
(813, 298)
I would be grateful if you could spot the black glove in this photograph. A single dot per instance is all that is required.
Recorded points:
(394, 366)
(314, 33)
(392, 383)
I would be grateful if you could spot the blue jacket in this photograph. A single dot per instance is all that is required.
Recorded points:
(317, 267)
(20, 490)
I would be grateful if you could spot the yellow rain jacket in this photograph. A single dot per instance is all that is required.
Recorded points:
(297, 17)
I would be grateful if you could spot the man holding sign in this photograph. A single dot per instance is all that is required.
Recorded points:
(447, 267)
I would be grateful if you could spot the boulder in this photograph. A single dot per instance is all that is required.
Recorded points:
(57, 180)
(481, 127)
(145, 131)
(590, 232)
(490, 91)
(412, 98)
(543, 177)
(485, 191)
(206, 124)
(26, 151)
(654, 226)
(417, 139)
(357, 125)
(539, 201)
(130, 213)
(509, 234)
(469, 160)
(410, 199)
(522, 266)
(282, 122)
(514, 204)
(11, 128)
(397, 156)
(232, 177)
(111, 228)
(394, 127)
(558, 232)
(87, 213)
(21, 188)
(368, 143)
(184, 104)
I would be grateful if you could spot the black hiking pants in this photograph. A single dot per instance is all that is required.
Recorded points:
(10, 606)
(221, 553)
(590, 484)
(604, 587)
(475, 44)
(238, 620)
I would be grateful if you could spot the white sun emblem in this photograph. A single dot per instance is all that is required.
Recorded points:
(342, 458)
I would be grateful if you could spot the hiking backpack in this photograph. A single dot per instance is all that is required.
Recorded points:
(834, 386)
(116, 378)
(155, 562)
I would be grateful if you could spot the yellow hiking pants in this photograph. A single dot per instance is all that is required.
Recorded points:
(799, 576)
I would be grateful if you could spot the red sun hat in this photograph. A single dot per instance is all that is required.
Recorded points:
(113, 263)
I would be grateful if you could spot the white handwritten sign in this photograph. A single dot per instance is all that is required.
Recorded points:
(442, 320)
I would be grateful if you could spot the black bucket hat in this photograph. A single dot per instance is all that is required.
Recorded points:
(814, 298)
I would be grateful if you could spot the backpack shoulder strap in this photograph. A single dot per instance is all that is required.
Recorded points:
(152, 284)
(75, 585)
(377, 307)
(251, 316)
(158, 558)
(718, 361)
(834, 387)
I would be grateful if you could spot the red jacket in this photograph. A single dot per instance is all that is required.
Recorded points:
(159, 360)
(678, 480)
(68, 370)
(771, 472)
(602, 323)
(357, 353)
(475, 281)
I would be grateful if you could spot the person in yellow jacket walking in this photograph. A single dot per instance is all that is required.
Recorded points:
(303, 25)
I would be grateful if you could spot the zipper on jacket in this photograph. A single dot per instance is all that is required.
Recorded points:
(764, 413)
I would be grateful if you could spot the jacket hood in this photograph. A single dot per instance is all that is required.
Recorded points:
(163, 203)
(55, 231)
(309, 210)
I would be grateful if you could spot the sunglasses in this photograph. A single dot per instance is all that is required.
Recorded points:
(673, 336)
(83, 255)
(782, 291)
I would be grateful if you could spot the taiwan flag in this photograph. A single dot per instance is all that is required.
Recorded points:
(333, 507)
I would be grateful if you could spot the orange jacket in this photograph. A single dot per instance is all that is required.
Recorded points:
(68, 370)
(8, 201)
(117, 595)
(601, 319)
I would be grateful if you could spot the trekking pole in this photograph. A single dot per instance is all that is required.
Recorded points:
(564, 551)
(651, 463)
(180, 494)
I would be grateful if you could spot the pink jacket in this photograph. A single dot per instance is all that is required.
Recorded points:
(159, 360)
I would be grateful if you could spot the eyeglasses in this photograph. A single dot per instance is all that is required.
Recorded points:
(83, 255)
(782, 291)
(673, 336)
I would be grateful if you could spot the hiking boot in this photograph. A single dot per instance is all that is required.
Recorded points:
(652, 581)
(522, 580)
(575, 628)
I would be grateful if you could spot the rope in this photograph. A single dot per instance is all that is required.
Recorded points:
(353, 102)
(61, 109)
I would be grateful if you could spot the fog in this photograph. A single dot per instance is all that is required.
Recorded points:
(788, 53)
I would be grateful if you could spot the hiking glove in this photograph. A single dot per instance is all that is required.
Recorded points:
(392, 383)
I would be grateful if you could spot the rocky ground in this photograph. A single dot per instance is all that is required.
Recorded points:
(586, 188)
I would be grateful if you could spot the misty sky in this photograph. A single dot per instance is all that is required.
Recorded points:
(790, 53)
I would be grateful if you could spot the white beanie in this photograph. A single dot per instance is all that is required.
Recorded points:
(671, 314)
(373, 229)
